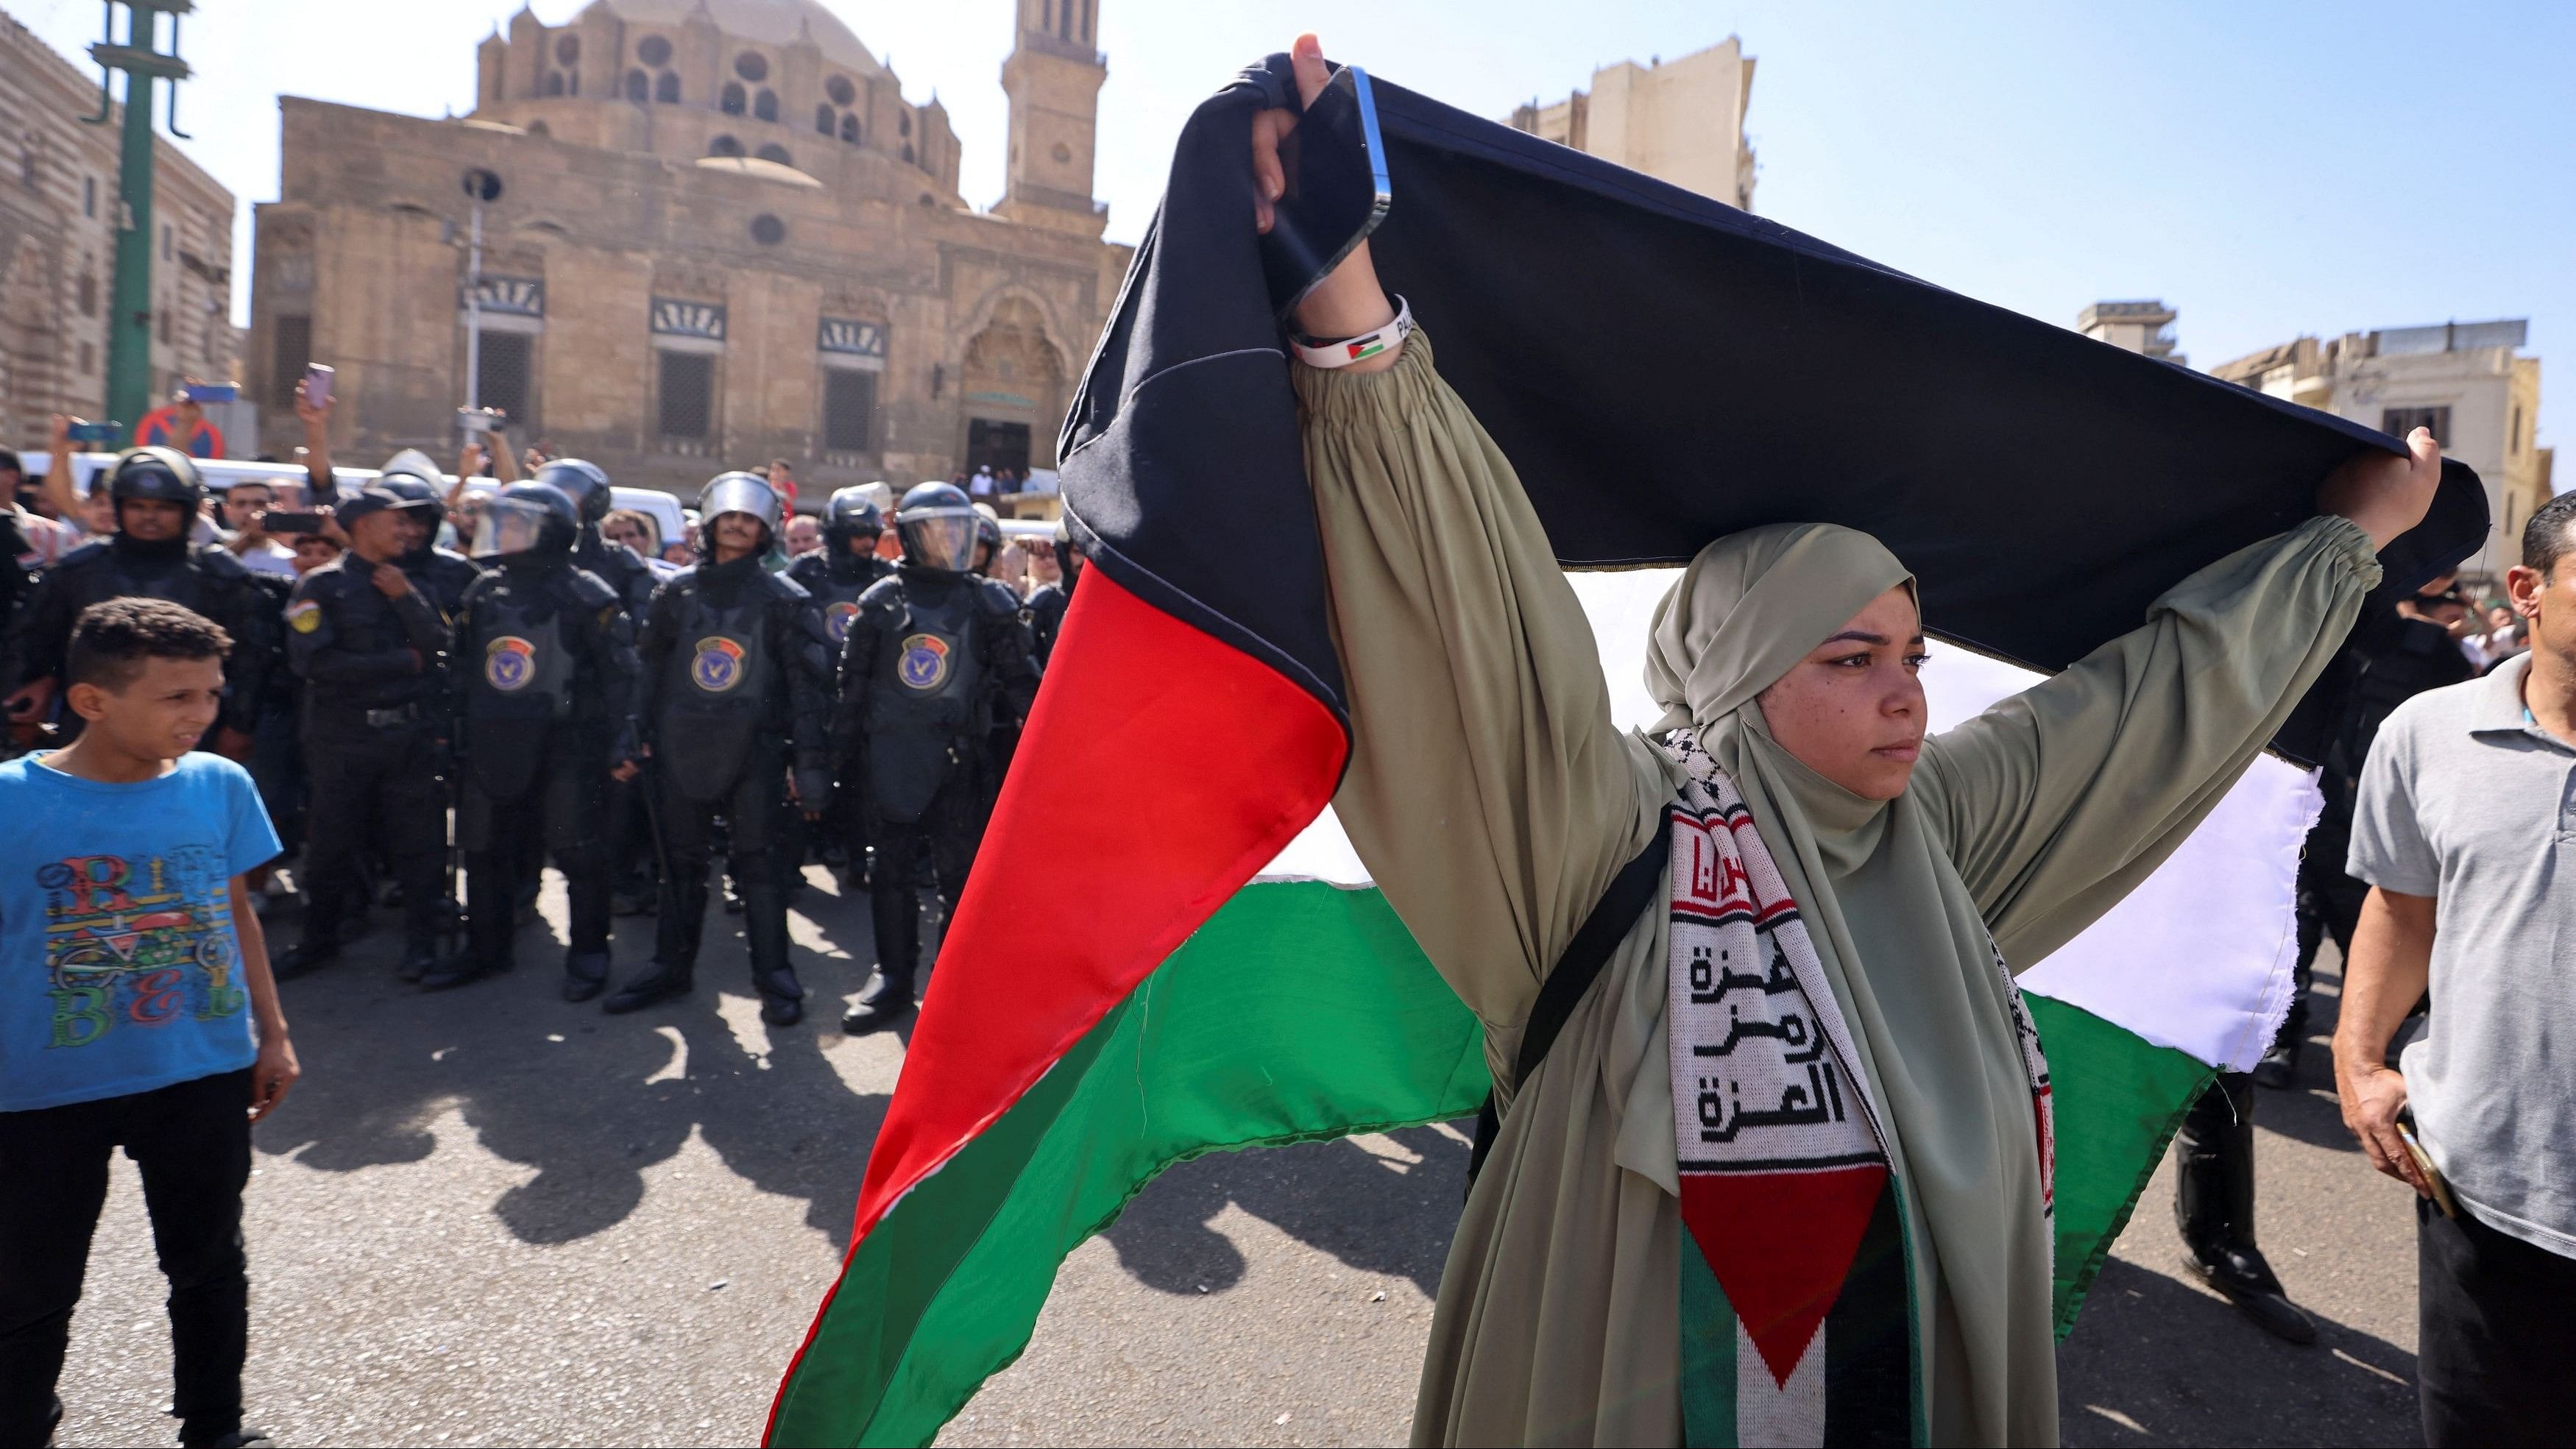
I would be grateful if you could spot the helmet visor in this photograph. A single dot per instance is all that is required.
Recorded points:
(941, 539)
(510, 525)
(741, 495)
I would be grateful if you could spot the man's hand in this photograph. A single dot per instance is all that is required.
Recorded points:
(315, 419)
(469, 463)
(2385, 495)
(390, 581)
(626, 770)
(272, 1073)
(58, 432)
(31, 702)
(2371, 1100)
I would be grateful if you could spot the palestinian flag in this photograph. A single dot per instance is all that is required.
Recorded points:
(1164, 953)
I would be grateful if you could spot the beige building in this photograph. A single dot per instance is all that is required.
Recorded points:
(2465, 380)
(58, 218)
(1680, 120)
(724, 235)
(2134, 327)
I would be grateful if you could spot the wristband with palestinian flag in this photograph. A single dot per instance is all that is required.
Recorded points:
(1343, 353)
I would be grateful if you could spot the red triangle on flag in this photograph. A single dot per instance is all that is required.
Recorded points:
(1781, 1244)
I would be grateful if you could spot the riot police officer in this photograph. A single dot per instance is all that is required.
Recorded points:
(624, 571)
(157, 495)
(845, 568)
(441, 574)
(371, 648)
(619, 567)
(736, 685)
(544, 697)
(1047, 602)
(934, 658)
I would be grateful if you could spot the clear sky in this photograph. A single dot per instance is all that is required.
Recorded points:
(2268, 169)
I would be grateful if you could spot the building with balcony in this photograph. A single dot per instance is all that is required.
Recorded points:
(2467, 381)
(724, 235)
(2133, 326)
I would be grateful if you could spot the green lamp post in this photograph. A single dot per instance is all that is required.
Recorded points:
(129, 332)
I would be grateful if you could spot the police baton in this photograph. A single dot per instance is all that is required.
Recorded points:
(649, 785)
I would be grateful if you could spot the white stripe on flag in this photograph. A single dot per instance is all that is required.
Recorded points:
(2197, 958)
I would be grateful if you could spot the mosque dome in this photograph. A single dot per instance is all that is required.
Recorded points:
(771, 22)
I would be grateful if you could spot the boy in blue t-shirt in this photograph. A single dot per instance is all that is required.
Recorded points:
(132, 974)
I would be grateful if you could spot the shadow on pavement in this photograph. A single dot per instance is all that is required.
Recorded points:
(1378, 1214)
(2152, 1361)
(588, 1100)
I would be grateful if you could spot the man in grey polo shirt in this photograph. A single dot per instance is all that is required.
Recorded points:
(2466, 830)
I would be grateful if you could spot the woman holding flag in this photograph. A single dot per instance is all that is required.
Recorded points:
(1784, 1174)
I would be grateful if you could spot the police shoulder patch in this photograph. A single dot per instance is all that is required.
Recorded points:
(305, 615)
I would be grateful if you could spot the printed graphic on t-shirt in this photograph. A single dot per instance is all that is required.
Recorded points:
(132, 947)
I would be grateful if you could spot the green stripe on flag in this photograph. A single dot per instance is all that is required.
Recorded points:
(1301, 1011)
(2119, 1099)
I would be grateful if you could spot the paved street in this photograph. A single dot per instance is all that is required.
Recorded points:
(491, 1218)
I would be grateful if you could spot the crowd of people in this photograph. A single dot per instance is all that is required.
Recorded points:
(420, 678)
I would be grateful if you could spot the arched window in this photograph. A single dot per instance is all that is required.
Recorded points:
(1087, 17)
(752, 66)
(654, 51)
(731, 101)
(666, 88)
(572, 83)
(554, 82)
(764, 107)
(840, 90)
(823, 120)
(907, 152)
(639, 87)
(775, 152)
(850, 129)
(567, 49)
(724, 146)
(903, 123)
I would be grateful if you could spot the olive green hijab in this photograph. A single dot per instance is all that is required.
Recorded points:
(1908, 956)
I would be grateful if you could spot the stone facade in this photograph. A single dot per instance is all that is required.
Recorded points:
(2464, 380)
(724, 236)
(1678, 120)
(58, 219)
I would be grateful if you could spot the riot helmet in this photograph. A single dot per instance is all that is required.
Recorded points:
(585, 483)
(738, 492)
(163, 475)
(417, 494)
(988, 540)
(1067, 557)
(526, 522)
(938, 528)
(851, 513)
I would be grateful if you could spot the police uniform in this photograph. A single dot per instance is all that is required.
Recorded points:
(374, 712)
(735, 685)
(633, 580)
(2388, 660)
(1047, 602)
(204, 578)
(934, 659)
(544, 694)
(846, 567)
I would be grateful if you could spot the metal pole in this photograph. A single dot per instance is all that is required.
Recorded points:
(129, 334)
(474, 310)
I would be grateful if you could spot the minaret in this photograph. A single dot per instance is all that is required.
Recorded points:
(1053, 80)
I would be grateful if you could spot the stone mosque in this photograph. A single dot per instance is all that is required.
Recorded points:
(724, 235)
